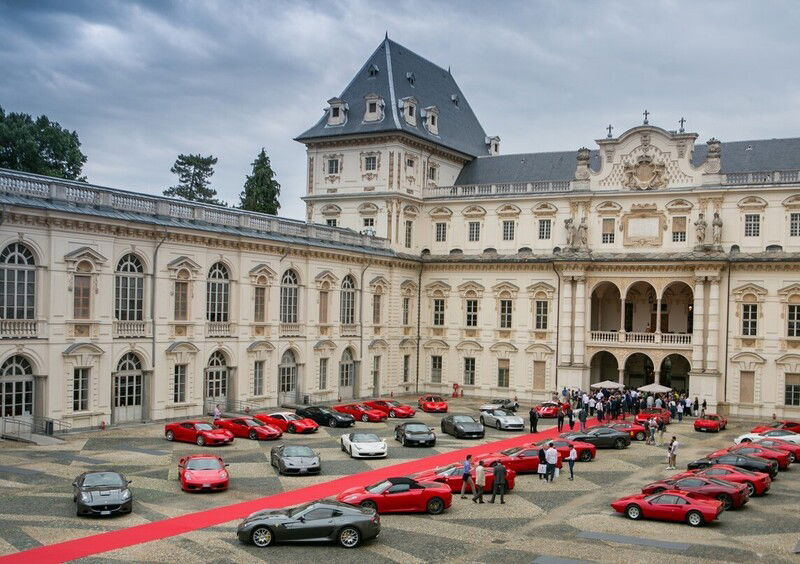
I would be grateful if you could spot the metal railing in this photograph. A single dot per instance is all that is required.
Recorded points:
(16, 429)
(22, 428)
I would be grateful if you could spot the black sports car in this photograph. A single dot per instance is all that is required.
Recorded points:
(414, 433)
(322, 520)
(294, 459)
(102, 493)
(601, 437)
(752, 463)
(326, 416)
(462, 427)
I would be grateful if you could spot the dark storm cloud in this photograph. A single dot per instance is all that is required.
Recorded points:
(142, 82)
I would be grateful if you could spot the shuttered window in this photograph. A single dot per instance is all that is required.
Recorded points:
(608, 230)
(678, 229)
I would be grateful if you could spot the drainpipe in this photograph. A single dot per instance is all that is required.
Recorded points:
(361, 322)
(558, 319)
(419, 322)
(153, 320)
(727, 339)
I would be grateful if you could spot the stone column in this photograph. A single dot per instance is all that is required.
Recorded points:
(566, 321)
(580, 320)
(621, 375)
(622, 318)
(658, 317)
(656, 376)
(712, 337)
(698, 316)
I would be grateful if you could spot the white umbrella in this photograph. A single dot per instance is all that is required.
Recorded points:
(654, 389)
(607, 384)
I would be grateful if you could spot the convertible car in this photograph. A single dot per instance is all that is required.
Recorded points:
(729, 493)
(658, 412)
(636, 431)
(325, 416)
(793, 426)
(669, 505)
(550, 408)
(757, 483)
(751, 463)
(288, 422)
(249, 428)
(586, 451)
(414, 433)
(782, 434)
(361, 412)
(778, 444)
(518, 459)
(755, 449)
(432, 403)
(462, 427)
(392, 408)
(203, 472)
(101, 493)
(198, 432)
(710, 422)
(323, 520)
(293, 459)
(363, 445)
(400, 495)
(501, 419)
(601, 437)
(452, 476)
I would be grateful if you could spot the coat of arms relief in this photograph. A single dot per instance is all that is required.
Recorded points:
(644, 174)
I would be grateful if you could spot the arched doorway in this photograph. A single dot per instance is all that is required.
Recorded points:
(675, 373)
(639, 371)
(128, 389)
(216, 388)
(16, 388)
(603, 366)
(287, 378)
(605, 308)
(347, 374)
(640, 311)
(677, 309)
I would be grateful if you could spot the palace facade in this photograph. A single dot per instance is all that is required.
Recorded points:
(428, 259)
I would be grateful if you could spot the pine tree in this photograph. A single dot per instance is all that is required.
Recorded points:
(193, 173)
(261, 190)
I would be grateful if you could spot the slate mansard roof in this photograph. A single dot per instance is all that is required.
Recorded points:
(459, 128)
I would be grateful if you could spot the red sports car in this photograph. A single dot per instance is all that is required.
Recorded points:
(431, 403)
(361, 412)
(788, 425)
(753, 449)
(249, 428)
(729, 493)
(778, 444)
(550, 408)
(392, 408)
(396, 495)
(288, 422)
(451, 475)
(710, 422)
(669, 505)
(518, 459)
(198, 432)
(757, 483)
(586, 451)
(203, 472)
(635, 430)
(658, 412)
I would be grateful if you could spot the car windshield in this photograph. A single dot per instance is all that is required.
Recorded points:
(365, 438)
(360, 407)
(326, 411)
(299, 509)
(292, 416)
(203, 464)
(719, 482)
(417, 428)
(393, 403)
(745, 472)
(500, 413)
(447, 470)
(510, 451)
(297, 451)
(463, 419)
(652, 497)
(103, 480)
(435, 398)
(380, 487)
(712, 417)
(548, 404)
(203, 427)
(253, 423)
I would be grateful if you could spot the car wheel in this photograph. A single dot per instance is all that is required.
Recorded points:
(726, 500)
(369, 504)
(497, 425)
(341, 443)
(792, 457)
(633, 512)
(482, 421)
(694, 518)
(745, 440)
(200, 440)
(435, 506)
(252, 435)
(586, 456)
(640, 436)
(751, 489)
(170, 436)
(365, 418)
(261, 537)
(331, 422)
(619, 444)
(291, 429)
(392, 413)
(349, 537)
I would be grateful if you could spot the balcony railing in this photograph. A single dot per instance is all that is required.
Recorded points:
(634, 337)
(130, 329)
(290, 330)
(507, 188)
(18, 329)
(640, 338)
(218, 329)
(769, 177)
(349, 330)
(676, 338)
(604, 336)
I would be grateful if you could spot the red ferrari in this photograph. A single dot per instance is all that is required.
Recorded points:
(431, 403)
(550, 408)
(249, 428)
(392, 408)
(658, 412)
(669, 505)
(710, 422)
(400, 495)
(451, 475)
(586, 451)
(729, 493)
(757, 483)
(518, 459)
(778, 444)
(788, 425)
(288, 422)
(198, 432)
(753, 449)
(635, 430)
(361, 412)
(203, 472)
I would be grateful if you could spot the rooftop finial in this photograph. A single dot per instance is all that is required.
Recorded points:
(609, 128)
(645, 114)
(386, 37)
(682, 121)
(448, 69)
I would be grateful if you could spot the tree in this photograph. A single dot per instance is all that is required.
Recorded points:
(39, 146)
(261, 190)
(193, 173)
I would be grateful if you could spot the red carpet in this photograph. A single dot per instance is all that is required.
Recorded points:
(112, 540)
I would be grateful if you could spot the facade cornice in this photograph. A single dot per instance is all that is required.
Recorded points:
(371, 140)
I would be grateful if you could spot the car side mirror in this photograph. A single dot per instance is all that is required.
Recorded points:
(130, 481)
(301, 519)
(226, 465)
(430, 429)
(75, 484)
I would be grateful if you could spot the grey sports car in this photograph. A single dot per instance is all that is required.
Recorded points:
(293, 459)
(318, 521)
(501, 419)
(102, 493)
(462, 427)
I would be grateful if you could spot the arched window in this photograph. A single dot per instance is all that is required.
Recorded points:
(347, 302)
(217, 293)
(16, 387)
(130, 362)
(289, 297)
(346, 369)
(17, 283)
(129, 289)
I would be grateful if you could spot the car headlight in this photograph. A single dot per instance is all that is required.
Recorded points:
(223, 474)
(85, 497)
(187, 475)
(126, 495)
(350, 498)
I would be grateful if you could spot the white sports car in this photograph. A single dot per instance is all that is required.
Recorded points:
(500, 419)
(505, 404)
(364, 445)
(782, 434)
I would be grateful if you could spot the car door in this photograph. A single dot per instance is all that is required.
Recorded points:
(187, 432)
(396, 498)
(346, 441)
(602, 438)
(690, 484)
(666, 508)
(317, 523)
(527, 461)
(447, 425)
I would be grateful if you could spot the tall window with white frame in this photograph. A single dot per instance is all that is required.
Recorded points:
(370, 163)
(438, 312)
(258, 378)
(506, 309)
(289, 297)
(749, 320)
(436, 369)
(406, 368)
(376, 308)
(376, 372)
(369, 222)
(545, 228)
(474, 231)
(503, 373)
(81, 292)
(752, 225)
(331, 222)
(406, 311)
(472, 312)
(469, 371)
(80, 389)
(441, 232)
(323, 373)
(541, 315)
(508, 229)
(792, 389)
(17, 283)
(218, 294)
(259, 304)
(794, 224)
(181, 289)
(323, 304)
(179, 383)
(608, 230)
(793, 320)
(129, 289)
(409, 233)
(333, 165)
(347, 301)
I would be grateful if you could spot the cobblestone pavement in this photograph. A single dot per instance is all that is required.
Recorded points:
(567, 519)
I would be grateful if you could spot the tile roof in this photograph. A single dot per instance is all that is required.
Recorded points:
(459, 128)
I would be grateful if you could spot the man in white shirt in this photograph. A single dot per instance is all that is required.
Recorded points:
(551, 456)
(573, 456)
(480, 482)
(673, 453)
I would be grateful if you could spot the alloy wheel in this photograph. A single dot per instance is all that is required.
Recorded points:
(261, 536)
(633, 512)
(365, 418)
(694, 519)
(200, 440)
(369, 504)
(170, 436)
(751, 489)
(252, 435)
(349, 537)
(435, 506)
(331, 422)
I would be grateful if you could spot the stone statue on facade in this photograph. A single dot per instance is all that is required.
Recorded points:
(716, 229)
(700, 229)
(569, 225)
(583, 234)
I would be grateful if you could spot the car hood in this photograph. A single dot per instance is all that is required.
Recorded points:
(343, 416)
(351, 491)
(267, 514)
(200, 475)
(301, 461)
(217, 434)
(510, 419)
(469, 427)
(371, 445)
(105, 495)
(267, 430)
(576, 436)
(419, 434)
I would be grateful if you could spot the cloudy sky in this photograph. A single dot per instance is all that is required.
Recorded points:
(142, 82)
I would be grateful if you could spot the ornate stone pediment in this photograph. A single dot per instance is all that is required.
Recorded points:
(645, 174)
(471, 287)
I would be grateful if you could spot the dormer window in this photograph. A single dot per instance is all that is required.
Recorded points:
(433, 120)
(373, 71)
(411, 78)
(410, 111)
(409, 107)
(337, 111)
(431, 114)
(374, 108)
(455, 99)
(493, 144)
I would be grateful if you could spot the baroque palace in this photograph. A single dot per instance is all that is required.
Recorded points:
(427, 260)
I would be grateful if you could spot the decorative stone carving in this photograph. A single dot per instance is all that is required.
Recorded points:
(716, 229)
(713, 162)
(700, 229)
(582, 171)
(569, 226)
(583, 234)
(643, 226)
(645, 174)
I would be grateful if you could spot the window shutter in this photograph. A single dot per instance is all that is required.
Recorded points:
(793, 379)
(503, 363)
(608, 226)
(679, 224)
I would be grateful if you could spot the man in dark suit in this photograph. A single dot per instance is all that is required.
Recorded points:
(499, 486)
(534, 416)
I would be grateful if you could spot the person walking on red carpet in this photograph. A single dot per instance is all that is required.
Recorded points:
(480, 482)
(466, 477)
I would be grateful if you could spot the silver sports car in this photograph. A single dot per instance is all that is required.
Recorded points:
(501, 419)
